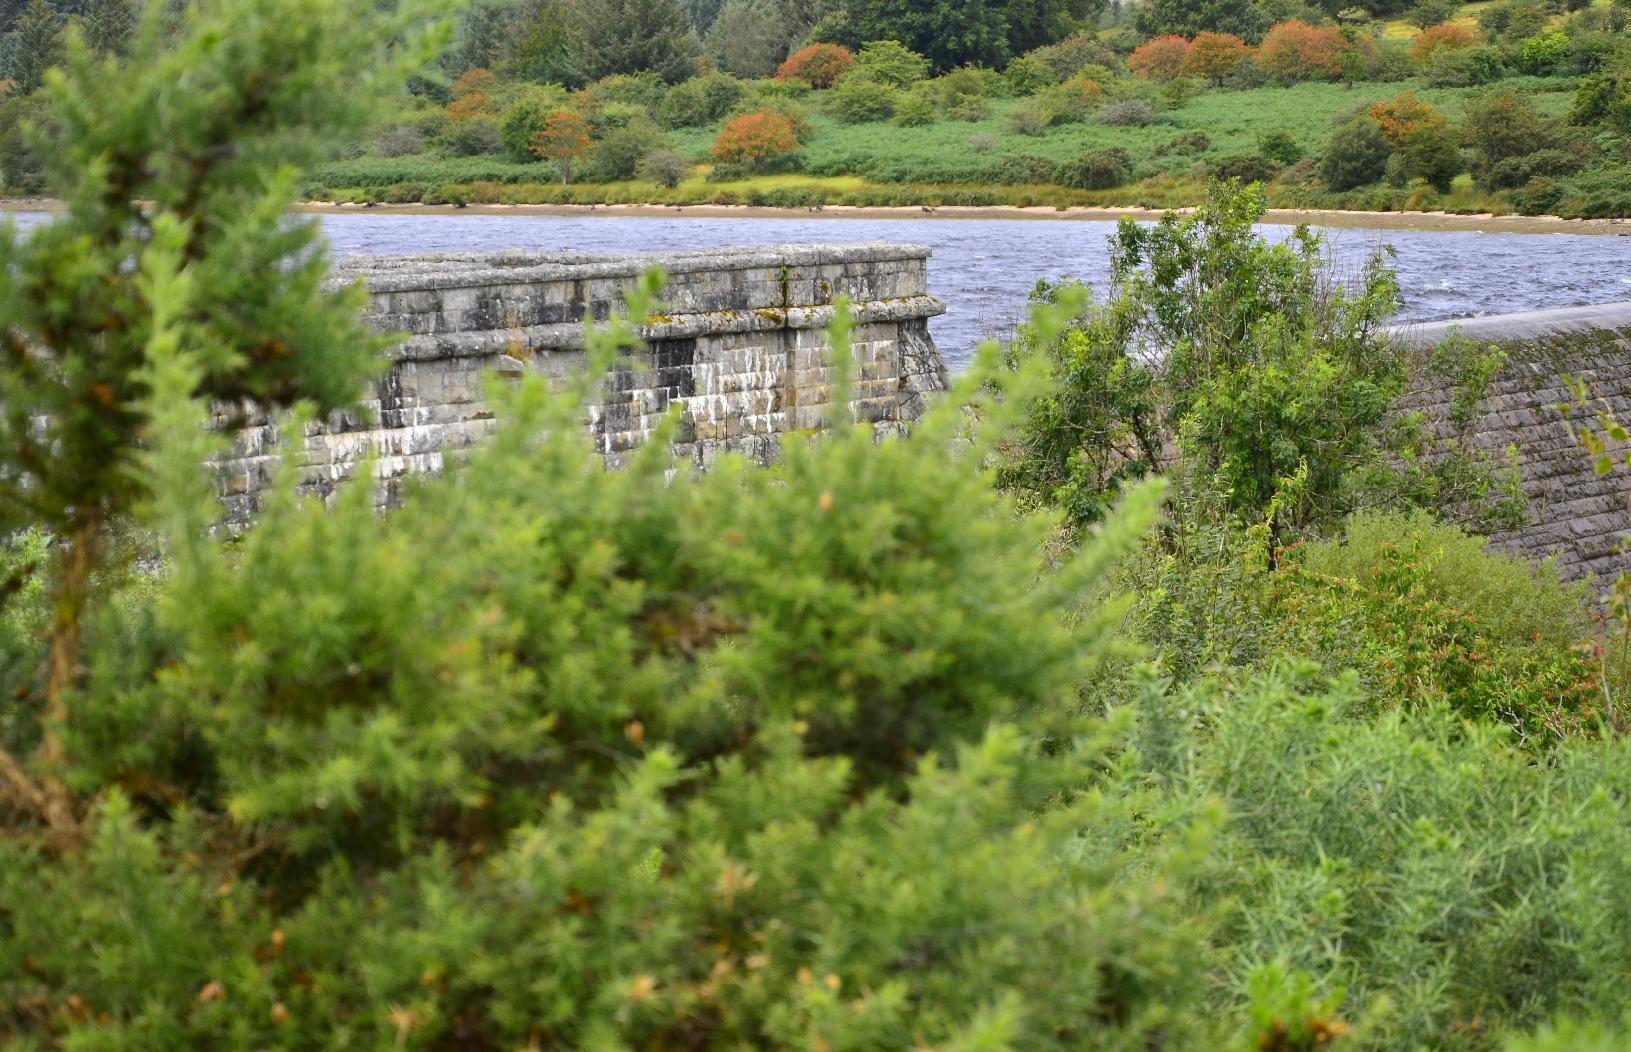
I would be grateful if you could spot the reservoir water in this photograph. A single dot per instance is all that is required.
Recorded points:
(983, 268)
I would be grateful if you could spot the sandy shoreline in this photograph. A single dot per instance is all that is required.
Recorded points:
(1426, 221)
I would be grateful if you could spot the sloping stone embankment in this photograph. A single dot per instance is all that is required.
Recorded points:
(1576, 516)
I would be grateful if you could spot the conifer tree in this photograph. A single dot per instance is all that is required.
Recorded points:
(630, 36)
(37, 46)
(129, 155)
(109, 26)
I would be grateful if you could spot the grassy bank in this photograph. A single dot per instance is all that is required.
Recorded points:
(986, 163)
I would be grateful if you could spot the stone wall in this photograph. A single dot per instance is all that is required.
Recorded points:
(1575, 516)
(739, 345)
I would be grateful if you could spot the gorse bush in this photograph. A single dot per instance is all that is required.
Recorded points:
(849, 752)
(1417, 866)
(771, 777)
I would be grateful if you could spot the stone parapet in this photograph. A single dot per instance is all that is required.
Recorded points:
(739, 347)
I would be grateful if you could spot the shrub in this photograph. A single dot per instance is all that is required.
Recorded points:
(644, 91)
(1280, 146)
(1450, 35)
(1161, 59)
(1073, 54)
(1517, 603)
(473, 82)
(664, 167)
(1600, 193)
(1072, 101)
(524, 117)
(1514, 19)
(1602, 99)
(982, 142)
(1539, 196)
(1026, 118)
(1187, 144)
(473, 136)
(963, 94)
(1096, 170)
(1177, 93)
(1019, 170)
(1502, 124)
(400, 140)
(913, 110)
(790, 110)
(1465, 67)
(1246, 167)
(1433, 13)
(617, 154)
(1127, 112)
(818, 65)
(1213, 56)
(1430, 152)
(1028, 75)
(1517, 171)
(1544, 53)
(968, 108)
(700, 101)
(1338, 813)
(468, 106)
(1356, 155)
(1294, 50)
(857, 98)
(891, 62)
(471, 95)
(428, 866)
(755, 138)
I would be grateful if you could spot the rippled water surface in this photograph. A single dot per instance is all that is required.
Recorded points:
(983, 268)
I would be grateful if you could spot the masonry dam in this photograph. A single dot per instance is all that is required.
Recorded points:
(740, 347)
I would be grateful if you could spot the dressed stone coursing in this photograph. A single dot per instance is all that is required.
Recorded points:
(1575, 516)
(739, 345)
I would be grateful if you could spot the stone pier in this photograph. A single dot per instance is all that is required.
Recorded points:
(739, 346)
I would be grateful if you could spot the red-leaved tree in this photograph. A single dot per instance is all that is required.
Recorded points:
(755, 138)
(1163, 58)
(1215, 55)
(1295, 50)
(564, 138)
(818, 65)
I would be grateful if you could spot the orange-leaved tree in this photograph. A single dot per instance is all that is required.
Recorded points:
(564, 138)
(1163, 58)
(1295, 50)
(1450, 35)
(1405, 115)
(818, 65)
(1215, 55)
(755, 138)
(471, 95)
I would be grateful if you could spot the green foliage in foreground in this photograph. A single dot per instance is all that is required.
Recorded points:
(587, 760)
(747, 759)
(1448, 887)
(843, 754)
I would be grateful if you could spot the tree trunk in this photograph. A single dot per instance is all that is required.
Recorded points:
(76, 564)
